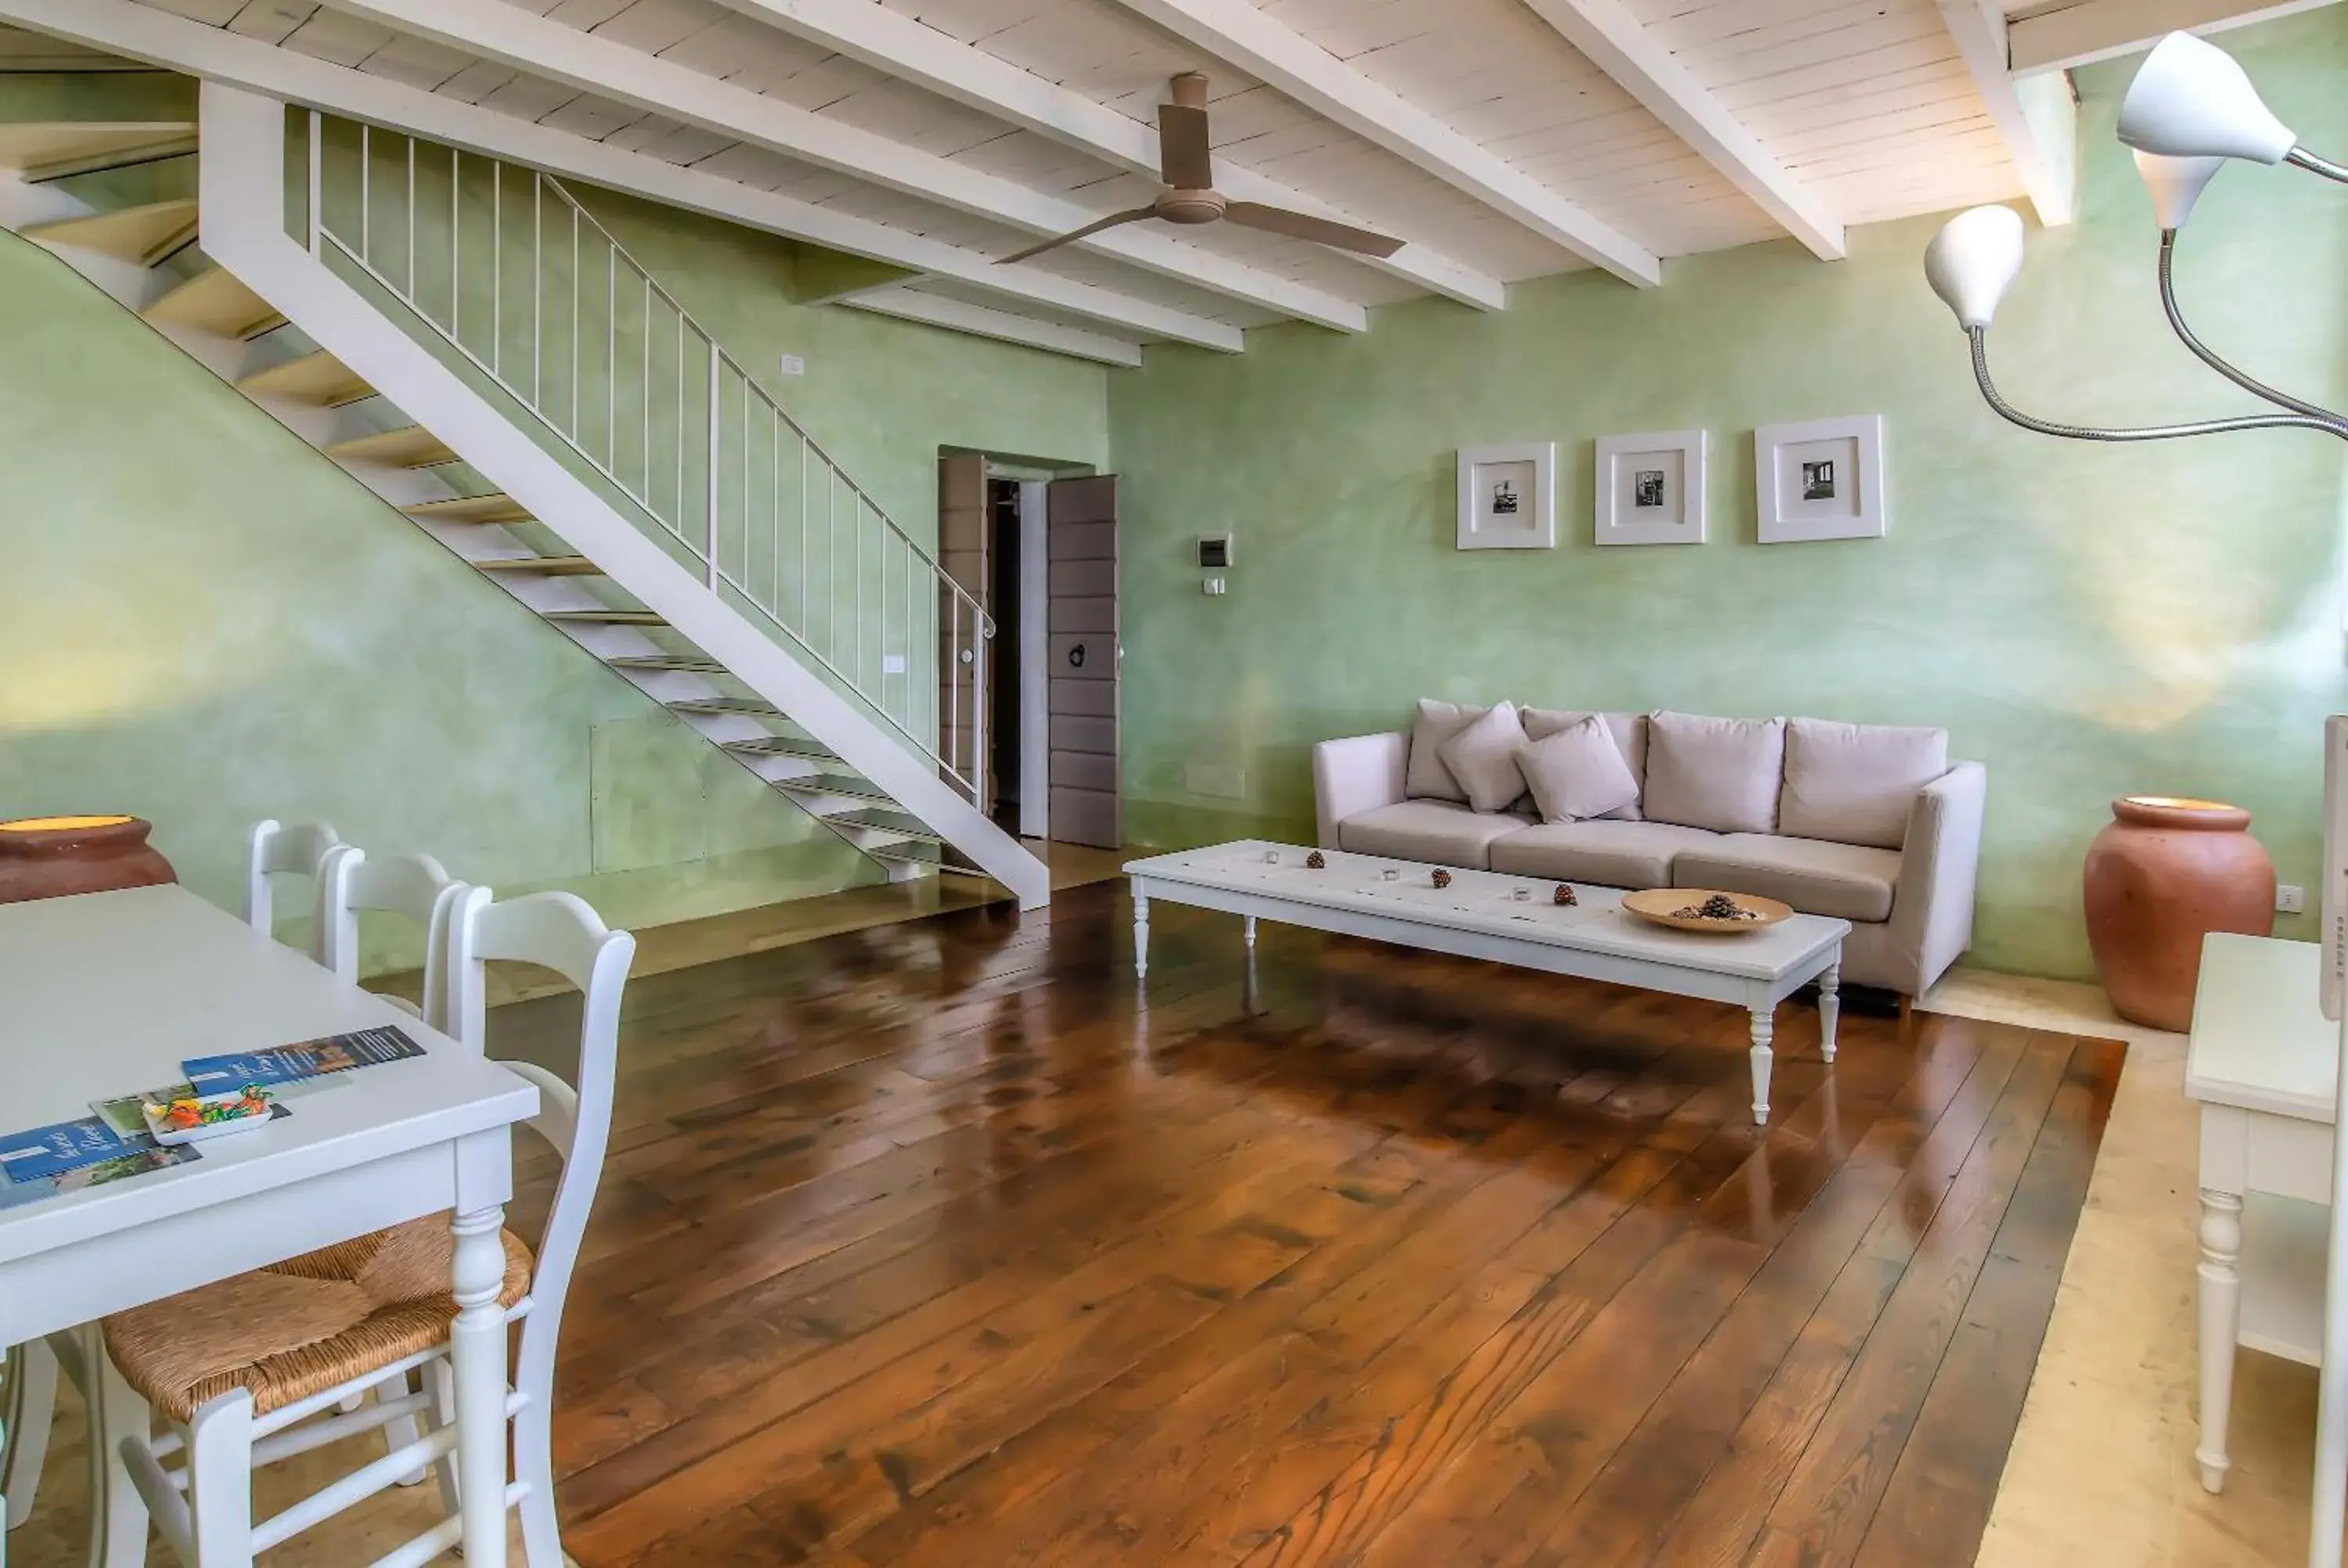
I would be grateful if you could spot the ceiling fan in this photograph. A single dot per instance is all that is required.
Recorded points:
(1189, 173)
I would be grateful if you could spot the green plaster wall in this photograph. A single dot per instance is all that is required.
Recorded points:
(203, 621)
(2086, 620)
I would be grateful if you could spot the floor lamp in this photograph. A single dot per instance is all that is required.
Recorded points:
(2190, 110)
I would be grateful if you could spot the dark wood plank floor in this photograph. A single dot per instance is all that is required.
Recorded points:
(936, 1245)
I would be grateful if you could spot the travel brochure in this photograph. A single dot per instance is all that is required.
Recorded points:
(118, 1140)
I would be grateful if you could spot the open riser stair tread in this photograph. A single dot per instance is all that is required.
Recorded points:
(667, 664)
(728, 707)
(605, 616)
(782, 746)
(216, 301)
(146, 233)
(542, 566)
(316, 378)
(848, 785)
(485, 509)
(410, 446)
(43, 151)
(881, 821)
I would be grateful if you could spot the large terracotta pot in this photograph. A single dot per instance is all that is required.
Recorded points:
(51, 857)
(2162, 875)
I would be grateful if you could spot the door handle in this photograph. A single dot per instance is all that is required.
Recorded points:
(1076, 657)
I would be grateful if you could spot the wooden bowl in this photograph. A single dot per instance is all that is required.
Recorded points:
(1661, 905)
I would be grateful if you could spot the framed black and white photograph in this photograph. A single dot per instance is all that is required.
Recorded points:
(1651, 488)
(1508, 496)
(1821, 479)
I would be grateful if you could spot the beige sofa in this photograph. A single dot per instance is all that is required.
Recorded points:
(1873, 825)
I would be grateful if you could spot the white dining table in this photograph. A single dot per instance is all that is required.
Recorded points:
(105, 994)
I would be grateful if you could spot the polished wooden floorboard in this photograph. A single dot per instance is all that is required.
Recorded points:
(941, 1244)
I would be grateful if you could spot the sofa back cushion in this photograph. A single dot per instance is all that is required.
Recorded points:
(1428, 777)
(1720, 774)
(1630, 733)
(1854, 783)
(1483, 758)
(1578, 773)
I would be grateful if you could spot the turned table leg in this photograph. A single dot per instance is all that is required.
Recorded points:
(1141, 936)
(2222, 1320)
(1764, 1028)
(1829, 1009)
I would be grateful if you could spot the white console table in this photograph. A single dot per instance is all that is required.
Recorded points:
(2261, 1063)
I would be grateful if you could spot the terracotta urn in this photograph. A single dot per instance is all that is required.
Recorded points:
(2163, 874)
(51, 857)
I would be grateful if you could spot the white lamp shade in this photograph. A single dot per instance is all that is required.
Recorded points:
(2175, 184)
(2189, 99)
(1973, 259)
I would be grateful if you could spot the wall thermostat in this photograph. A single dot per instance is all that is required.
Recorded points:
(1214, 552)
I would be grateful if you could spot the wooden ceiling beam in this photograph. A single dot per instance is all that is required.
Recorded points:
(1238, 34)
(143, 32)
(982, 321)
(592, 63)
(2092, 30)
(2035, 117)
(910, 51)
(1619, 44)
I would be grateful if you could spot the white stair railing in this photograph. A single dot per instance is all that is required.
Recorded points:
(505, 266)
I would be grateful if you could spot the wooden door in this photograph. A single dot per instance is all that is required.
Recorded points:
(1080, 529)
(962, 555)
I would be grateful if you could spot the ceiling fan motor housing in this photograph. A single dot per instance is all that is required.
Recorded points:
(1189, 205)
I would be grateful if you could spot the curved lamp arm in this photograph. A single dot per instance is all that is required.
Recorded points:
(2248, 383)
(1979, 339)
(2300, 158)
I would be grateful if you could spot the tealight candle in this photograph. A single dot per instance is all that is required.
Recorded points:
(1390, 875)
(1272, 857)
(1523, 895)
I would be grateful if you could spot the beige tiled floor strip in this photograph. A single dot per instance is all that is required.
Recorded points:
(2102, 1470)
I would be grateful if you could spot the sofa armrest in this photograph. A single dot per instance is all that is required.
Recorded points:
(1356, 774)
(1932, 906)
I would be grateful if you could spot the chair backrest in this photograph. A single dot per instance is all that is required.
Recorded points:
(301, 849)
(560, 932)
(410, 885)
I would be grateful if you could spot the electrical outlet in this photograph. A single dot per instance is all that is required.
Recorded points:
(2290, 900)
(794, 364)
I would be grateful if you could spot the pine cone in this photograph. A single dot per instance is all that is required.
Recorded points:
(1316, 862)
(1564, 894)
(1442, 878)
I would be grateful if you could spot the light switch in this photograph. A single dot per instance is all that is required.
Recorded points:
(1217, 586)
(794, 364)
(893, 664)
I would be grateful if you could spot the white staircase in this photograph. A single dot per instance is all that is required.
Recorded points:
(465, 338)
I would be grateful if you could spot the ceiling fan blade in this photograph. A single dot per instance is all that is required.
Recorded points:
(1183, 160)
(1320, 231)
(1111, 221)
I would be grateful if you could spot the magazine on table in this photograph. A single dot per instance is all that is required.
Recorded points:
(288, 1064)
(39, 1151)
(16, 1191)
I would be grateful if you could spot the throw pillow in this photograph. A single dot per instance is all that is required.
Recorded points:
(1427, 778)
(1578, 773)
(1720, 774)
(1630, 733)
(1854, 783)
(1483, 758)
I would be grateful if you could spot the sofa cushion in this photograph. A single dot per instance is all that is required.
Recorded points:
(1578, 773)
(1483, 758)
(1720, 774)
(1430, 830)
(1630, 733)
(1854, 782)
(1850, 881)
(1611, 854)
(1427, 778)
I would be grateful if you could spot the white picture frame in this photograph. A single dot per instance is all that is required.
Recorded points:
(1651, 488)
(1821, 479)
(1508, 496)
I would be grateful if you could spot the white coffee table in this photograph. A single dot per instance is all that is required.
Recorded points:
(1480, 916)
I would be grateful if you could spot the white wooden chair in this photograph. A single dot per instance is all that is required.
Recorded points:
(300, 851)
(28, 1400)
(413, 885)
(236, 1404)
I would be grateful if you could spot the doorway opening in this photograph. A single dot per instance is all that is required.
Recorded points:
(1036, 551)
